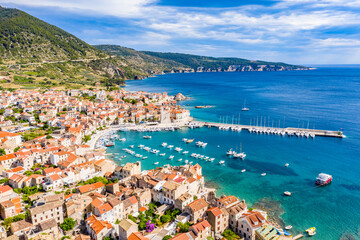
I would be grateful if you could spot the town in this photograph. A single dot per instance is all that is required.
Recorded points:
(56, 184)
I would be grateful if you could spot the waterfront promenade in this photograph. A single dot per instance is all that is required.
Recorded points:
(288, 130)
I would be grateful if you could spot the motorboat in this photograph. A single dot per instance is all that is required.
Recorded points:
(244, 170)
(286, 164)
(186, 161)
(287, 193)
(184, 139)
(189, 140)
(164, 144)
(147, 137)
(185, 152)
(170, 146)
(288, 227)
(110, 144)
(311, 231)
(222, 162)
(122, 139)
(178, 149)
(144, 158)
(180, 160)
(156, 163)
(211, 159)
(155, 151)
(323, 179)
(162, 154)
(263, 174)
(171, 157)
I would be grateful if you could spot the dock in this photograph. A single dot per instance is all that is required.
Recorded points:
(298, 236)
(290, 131)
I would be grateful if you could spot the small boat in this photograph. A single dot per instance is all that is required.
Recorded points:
(141, 146)
(244, 107)
(244, 170)
(162, 154)
(147, 137)
(230, 152)
(186, 161)
(189, 140)
(178, 149)
(263, 174)
(180, 160)
(218, 146)
(122, 139)
(287, 193)
(144, 158)
(190, 162)
(288, 227)
(323, 179)
(311, 231)
(286, 164)
(171, 157)
(184, 139)
(164, 144)
(211, 159)
(222, 162)
(170, 146)
(110, 144)
(131, 146)
(185, 152)
(156, 163)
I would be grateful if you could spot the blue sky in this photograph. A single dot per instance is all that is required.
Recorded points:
(293, 31)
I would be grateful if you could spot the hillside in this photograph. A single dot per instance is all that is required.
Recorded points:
(178, 62)
(33, 53)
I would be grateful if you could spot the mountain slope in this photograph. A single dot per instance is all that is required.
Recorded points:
(34, 53)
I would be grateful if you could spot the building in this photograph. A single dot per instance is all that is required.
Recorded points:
(248, 223)
(50, 210)
(202, 230)
(137, 236)
(10, 207)
(90, 188)
(196, 209)
(98, 229)
(218, 219)
(128, 170)
(125, 228)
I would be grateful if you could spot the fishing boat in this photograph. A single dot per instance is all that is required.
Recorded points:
(222, 162)
(323, 179)
(147, 137)
(311, 231)
(263, 174)
(189, 140)
(164, 144)
(286, 164)
(288, 227)
(287, 193)
(244, 170)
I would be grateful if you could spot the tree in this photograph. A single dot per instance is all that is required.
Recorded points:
(16, 149)
(142, 225)
(87, 138)
(132, 218)
(167, 237)
(2, 152)
(165, 218)
(230, 235)
(68, 224)
(183, 227)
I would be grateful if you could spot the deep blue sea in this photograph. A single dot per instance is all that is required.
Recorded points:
(325, 98)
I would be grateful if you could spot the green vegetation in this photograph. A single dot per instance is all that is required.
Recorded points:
(4, 180)
(2, 152)
(9, 220)
(33, 133)
(230, 235)
(65, 237)
(183, 227)
(68, 224)
(167, 237)
(95, 180)
(86, 138)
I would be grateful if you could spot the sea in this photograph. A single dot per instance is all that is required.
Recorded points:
(327, 97)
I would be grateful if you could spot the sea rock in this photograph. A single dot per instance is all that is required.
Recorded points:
(180, 97)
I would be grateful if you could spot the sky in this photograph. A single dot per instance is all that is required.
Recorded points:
(292, 31)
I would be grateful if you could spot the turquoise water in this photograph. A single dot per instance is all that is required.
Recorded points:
(327, 98)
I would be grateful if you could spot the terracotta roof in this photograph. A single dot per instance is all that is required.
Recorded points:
(137, 236)
(90, 187)
(198, 204)
(215, 211)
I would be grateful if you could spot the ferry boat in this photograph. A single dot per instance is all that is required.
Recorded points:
(147, 137)
(323, 179)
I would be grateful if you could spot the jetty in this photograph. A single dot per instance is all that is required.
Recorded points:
(290, 131)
